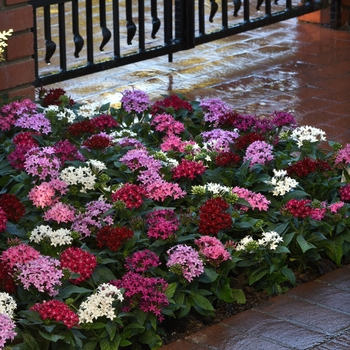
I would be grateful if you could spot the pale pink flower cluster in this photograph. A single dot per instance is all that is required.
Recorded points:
(258, 152)
(216, 109)
(167, 124)
(60, 212)
(185, 260)
(219, 140)
(7, 327)
(255, 200)
(213, 250)
(19, 254)
(47, 193)
(343, 155)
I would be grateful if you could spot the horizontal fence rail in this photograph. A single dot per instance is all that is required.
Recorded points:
(73, 38)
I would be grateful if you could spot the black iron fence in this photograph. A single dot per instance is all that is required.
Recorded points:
(74, 38)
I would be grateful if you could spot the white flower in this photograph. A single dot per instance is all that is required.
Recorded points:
(7, 304)
(246, 242)
(96, 165)
(79, 175)
(89, 110)
(58, 237)
(307, 133)
(100, 304)
(215, 188)
(282, 183)
(270, 239)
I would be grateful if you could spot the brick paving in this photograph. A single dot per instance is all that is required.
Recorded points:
(291, 66)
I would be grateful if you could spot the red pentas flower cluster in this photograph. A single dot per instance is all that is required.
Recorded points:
(299, 208)
(227, 159)
(188, 169)
(12, 206)
(58, 311)
(213, 216)
(78, 261)
(7, 283)
(307, 166)
(344, 193)
(52, 97)
(172, 101)
(132, 195)
(113, 237)
(244, 141)
(97, 142)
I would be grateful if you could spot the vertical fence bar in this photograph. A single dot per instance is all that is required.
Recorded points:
(50, 45)
(141, 26)
(335, 14)
(224, 14)
(116, 32)
(201, 18)
(246, 14)
(130, 25)
(106, 33)
(62, 36)
(168, 26)
(77, 38)
(267, 7)
(89, 33)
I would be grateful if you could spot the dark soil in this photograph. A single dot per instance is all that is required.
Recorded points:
(181, 328)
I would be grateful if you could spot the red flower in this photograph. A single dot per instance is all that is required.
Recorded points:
(173, 101)
(227, 159)
(83, 127)
(52, 97)
(12, 206)
(188, 169)
(113, 237)
(132, 195)
(97, 142)
(299, 208)
(7, 283)
(307, 166)
(245, 140)
(78, 261)
(58, 311)
(213, 216)
(103, 122)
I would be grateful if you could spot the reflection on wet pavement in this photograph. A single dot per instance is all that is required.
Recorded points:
(293, 66)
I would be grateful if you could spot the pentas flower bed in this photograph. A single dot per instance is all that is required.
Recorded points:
(114, 220)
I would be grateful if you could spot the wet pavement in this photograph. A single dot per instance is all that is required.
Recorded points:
(292, 65)
(315, 315)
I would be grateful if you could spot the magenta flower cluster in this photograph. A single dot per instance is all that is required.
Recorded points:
(259, 152)
(162, 223)
(255, 199)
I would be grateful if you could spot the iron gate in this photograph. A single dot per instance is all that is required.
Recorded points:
(74, 38)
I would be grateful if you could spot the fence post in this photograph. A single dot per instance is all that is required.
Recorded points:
(184, 23)
(17, 71)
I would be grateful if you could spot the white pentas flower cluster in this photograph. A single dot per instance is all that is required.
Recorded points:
(100, 304)
(7, 304)
(60, 113)
(307, 133)
(56, 238)
(96, 165)
(89, 110)
(282, 183)
(211, 187)
(79, 176)
(269, 240)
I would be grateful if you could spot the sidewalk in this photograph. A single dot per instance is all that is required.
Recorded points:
(315, 315)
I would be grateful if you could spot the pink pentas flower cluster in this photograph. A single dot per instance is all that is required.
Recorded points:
(66, 151)
(258, 152)
(135, 101)
(185, 261)
(344, 193)
(92, 218)
(145, 293)
(343, 155)
(167, 124)
(31, 274)
(188, 169)
(213, 250)
(57, 311)
(79, 261)
(47, 193)
(215, 110)
(173, 143)
(220, 140)
(43, 163)
(131, 194)
(162, 223)
(60, 212)
(140, 158)
(7, 327)
(142, 261)
(10, 112)
(255, 200)
(36, 122)
(18, 254)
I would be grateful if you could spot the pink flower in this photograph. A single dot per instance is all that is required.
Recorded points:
(172, 143)
(258, 152)
(60, 212)
(19, 254)
(7, 327)
(334, 207)
(213, 250)
(343, 155)
(142, 261)
(256, 200)
(135, 101)
(162, 223)
(167, 124)
(30, 274)
(185, 261)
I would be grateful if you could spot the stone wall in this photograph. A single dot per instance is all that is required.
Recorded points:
(17, 71)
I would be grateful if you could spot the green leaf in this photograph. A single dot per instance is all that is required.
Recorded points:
(289, 274)
(303, 244)
(111, 329)
(334, 249)
(171, 290)
(91, 345)
(102, 274)
(107, 344)
(208, 276)
(71, 289)
(51, 337)
(257, 274)
(239, 296)
(202, 302)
